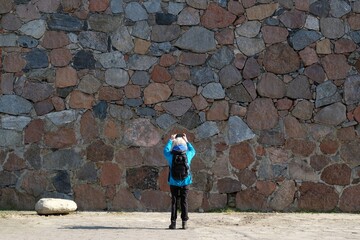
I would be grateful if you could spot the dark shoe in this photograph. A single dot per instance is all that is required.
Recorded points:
(172, 225)
(184, 225)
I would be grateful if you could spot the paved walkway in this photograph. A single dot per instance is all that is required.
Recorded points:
(108, 226)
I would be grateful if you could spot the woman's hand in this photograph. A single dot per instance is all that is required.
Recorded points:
(184, 137)
(173, 137)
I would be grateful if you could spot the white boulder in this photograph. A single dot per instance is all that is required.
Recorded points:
(47, 206)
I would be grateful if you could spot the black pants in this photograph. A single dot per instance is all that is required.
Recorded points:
(176, 194)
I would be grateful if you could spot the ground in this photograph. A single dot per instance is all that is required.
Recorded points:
(234, 225)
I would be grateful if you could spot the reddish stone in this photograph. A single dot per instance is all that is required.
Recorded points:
(349, 152)
(200, 102)
(336, 66)
(346, 134)
(181, 73)
(302, 5)
(141, 133)
(293, 128)
(43, 107)
(293, 19)
(70, 5)
(130, 157)
(218, 111)
(124, 200)
(110, 94)
(357, 114)
(273, 34)
(54, 39)
(271, 86)
(184, 89)
(27, 12)
(156, 92)
(10, 22)
(246, 177)
(354, 22)
(88, 127)
(89, 198)
(111, 130)
(14, 199)
(221, 166)
(160, 74)
(60, 57)
(225, 37)
(195, 199)
(35, 182)
(6, 6)
(248, 3)
(336, 174)
(317, 197)
(316, 73)
(278, 155)
(318, 162)
(110, 174)
(251, 199)
(99, 152)
(300, 147)
(251, 69)
(303, 110)
(266, 188)
(155, 200)
(13, 62)
(62, 138)
(98, 5)
(217, 17)
(284, 104)
(329, 146)
(216, 201)
(58, 103)
(260, 151)
(350, 201)
(283, 197)
(192, 59)
(167, 60)
(240, 60)
(241, 156)
(47, 6)
(309, 56)
(141, 46)
(228, 185)
(81, 100)
(14, 163)
(262, 114)
(344, 46)
(163, 180)
(66, 77)
(280, 58)
(236, 8)
(238, 110)
(34, 131)
(132, 91)
(261, 11)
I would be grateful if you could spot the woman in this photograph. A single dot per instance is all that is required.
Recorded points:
(179, 180)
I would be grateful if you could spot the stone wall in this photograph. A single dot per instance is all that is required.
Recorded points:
(268, 92)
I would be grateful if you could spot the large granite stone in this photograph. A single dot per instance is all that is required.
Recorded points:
(49, 206)
(271, 86)
(229, 76)
(262, 114)
(250, 46)
(335, 66)
(283, 196)
(261, 11)
(238, 130)
(141, 62)
(221, 58)
(156, 92)
(64, 22)
(177, 107)
(141, 132)
(206, 130)
(94, 40)
(202, 75)
(15, 123)
(317, 196)
(299, 88)
(116, 77)
(15, 105)
(122, 40)
(213, 91)
(327, 93)
(35, 28)
(249, 29)
(217, 17)
(197, 39)
(333, 114)
(280, 59)
(339, 8)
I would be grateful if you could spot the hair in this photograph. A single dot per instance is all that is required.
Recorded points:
(178, 141)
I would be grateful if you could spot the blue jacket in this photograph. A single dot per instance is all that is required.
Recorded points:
(190, 153)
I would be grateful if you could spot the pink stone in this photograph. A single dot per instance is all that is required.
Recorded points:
(61, 138)
(350, 201)
(132, 91)
(240, 60)
(293, 19)
(200, 102)
(10, 22)
(58, 103)
(336, 174)
(300, 147)
(219, 111)
(345, 46)
(129, 157)
(225, 36)
(70, 5)
(66, 77)
(354, 22)
(88, 127)
(13, 63)
(241, 156)
(217, 17)
(280, 58)
(111, 130)
(89, 197)
(336, 66)
(27, 12)
(34, 131)
(54, 39)
(181, 73)
(81, 100)
(14, 163)
(309, 56)
(192, 59)
(160, 74)
(43, 107)
(155, 200)
(236, 8)
(251, 199)
(329, 146)
(261, 11)
(184, 89)
(317, 196)
(284, 104)
(274, 34)
(98, 5)
(110, 174)
(262, 114)
(357, 114)
(156, 92)
(265, 187)
(110, 94)
(124, 200)
(99, 151)
(47, 6)
(167, 60)
(60, 57)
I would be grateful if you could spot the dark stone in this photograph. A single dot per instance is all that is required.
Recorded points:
(63, 22)
(355, 35)
(238, 93)
(165, 18)
(32, 155)
(27, 42)
(228, 185)
(133, 102)
(320, 8)
(66, 159)
(17, 2)
(141, 78)
(190, 120)
(87, 173)
(142, 178)
(36, 59)
(303, 38)
(158, 49)
(272, 138)
(100, 110)
(64, 92)
(202, 75)
(84, 60)
(280, 171)
(61, 182)
(143, 112)
(7, 179)
(99, 152)
(202, 181)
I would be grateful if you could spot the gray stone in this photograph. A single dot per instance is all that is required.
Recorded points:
(87, 173)
(332, 28)
(190, 120)
(238, 130)
(175, 8)
(339, 8)
(312, 23)
(15, 123)
(105, 22)
(100, 110)
(153, 6)
(6, 6)
(200, 4)
(141, 78)
(299, 88)
(320, 8)
(63, 22)
(120, 112)
(27, 42)
(197, 39)
(122, 40)
(84, 60)
(146, 112)
(141, 63)
(304, 38)
(111, 60)
(165, 18)
(165, 121)
(229, 75)
(36, 91)
(133, 102)
(89, 84)
(36, 58)
(14, 105)
(221, 58)
(189, 17)
(35, 28)
(141, 30)
(158, 49)
(64, 159)
(213, 91)
(303, 110)
(352, 89)
(334, 114)
(94, 40)
(62, 117)
(8, 40)
(48, 206)
(10, 138)
(178, 107)
(250, 46)
(238, 93)
(61, 182)
(356, 6)
(165, 33)
(249, 29)
(135, 12)
(300, 170)
(271, 86)
(116, 77)
(355, 35)
(327, 93)
(206, 130)
(42, 74)
(202, 75)
(116, 6)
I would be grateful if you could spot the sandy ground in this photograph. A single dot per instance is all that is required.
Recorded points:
(107, 226)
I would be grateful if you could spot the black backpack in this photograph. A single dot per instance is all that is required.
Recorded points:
(179, 167)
